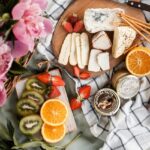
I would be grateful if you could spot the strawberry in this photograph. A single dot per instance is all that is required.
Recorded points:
(76, 71)
(57, 81)
(54, 92)
(44, 77)
(67, 26)
(85, 75)
(78, 26)
(75, 103)
(84, 92)
(73, 19)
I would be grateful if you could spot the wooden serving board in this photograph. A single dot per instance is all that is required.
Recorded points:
(79, 6)
(70, 123)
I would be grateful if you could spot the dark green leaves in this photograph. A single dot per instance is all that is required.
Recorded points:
(17, 69)
(10, 128)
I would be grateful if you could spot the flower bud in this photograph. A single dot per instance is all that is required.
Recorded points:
(5, 16)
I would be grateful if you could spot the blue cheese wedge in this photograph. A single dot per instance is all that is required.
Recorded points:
(123, 39)
(100, 19)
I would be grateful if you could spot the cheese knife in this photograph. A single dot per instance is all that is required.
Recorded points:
(138, 5)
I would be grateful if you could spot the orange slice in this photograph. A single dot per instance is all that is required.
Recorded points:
(53, 134)
(54, 112)
(138, 61)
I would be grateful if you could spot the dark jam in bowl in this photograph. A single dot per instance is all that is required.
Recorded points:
(106, 102)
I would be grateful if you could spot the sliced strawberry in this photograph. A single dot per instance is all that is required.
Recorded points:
(44, 77)
(54, 92)
(76, 71)
(57, 81)
(75, 103)
(78, 26)
(67, 26)
(73, 19)
(85, 75)
(84, 91)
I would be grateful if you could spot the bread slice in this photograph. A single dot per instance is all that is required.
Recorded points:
(103, 61)
(101, 19)
(78, 50)
(65, 50)
(123, 39)
(93, 64)
(85, 48)
(73, 52)
(101, 41)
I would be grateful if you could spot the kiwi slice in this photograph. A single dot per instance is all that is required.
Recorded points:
(30, 125)
(34, 96)
(27, 107)
(35, 85)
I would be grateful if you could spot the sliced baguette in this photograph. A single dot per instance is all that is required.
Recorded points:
(101, 41)
(84, 49)
(65, 51)
(103, 60)
(78, 50)
(73, 52)
(123, 39)
(93, 64)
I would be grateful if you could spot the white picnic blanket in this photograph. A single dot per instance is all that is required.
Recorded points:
(129, 129)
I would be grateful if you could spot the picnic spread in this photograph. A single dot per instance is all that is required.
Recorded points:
(74, 75)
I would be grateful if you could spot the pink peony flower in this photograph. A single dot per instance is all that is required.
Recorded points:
(6, 58)
(31, 24)
(18, 49)
(3, 95)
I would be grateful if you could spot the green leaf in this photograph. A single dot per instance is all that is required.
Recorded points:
(4, 132)
(17, 69)
(10, 129)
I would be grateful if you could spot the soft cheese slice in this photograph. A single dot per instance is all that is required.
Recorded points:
(123, 39)
(85, 48)
(93, 64)
(101, 41)
(78, 50)
(65, 51)
(73, 52)
(103, 60)
(101, 19)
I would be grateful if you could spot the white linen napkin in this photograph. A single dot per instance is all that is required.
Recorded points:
(129, 129)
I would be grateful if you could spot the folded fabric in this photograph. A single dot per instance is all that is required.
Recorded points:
(129, 129)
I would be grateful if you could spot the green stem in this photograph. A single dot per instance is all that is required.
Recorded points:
(7, 33)
(73, 140)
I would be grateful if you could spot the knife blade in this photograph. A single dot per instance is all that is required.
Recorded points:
(139, 5)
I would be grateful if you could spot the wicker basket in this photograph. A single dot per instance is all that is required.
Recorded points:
(11, 82)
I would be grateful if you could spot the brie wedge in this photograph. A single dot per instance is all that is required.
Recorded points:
(73, 52)
(101, 41)
(93, 64)
(78, 49)
(65, 50)
(101, 19)
(123, 39)
(103, 60)
(85, 48)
